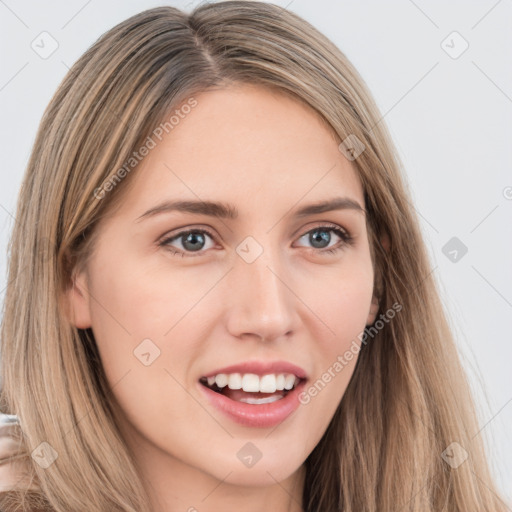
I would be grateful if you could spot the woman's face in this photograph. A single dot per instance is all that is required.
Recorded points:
(174, 296)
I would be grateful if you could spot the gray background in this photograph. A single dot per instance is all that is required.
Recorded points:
(448, 112)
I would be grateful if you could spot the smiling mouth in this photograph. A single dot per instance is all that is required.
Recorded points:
(250, 388)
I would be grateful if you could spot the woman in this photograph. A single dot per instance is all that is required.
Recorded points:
(176, 334)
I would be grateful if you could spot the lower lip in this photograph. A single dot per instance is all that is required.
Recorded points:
(256, 415)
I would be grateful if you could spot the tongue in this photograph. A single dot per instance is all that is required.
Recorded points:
(237, 394)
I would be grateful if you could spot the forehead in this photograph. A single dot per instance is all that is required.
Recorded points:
(248, 146)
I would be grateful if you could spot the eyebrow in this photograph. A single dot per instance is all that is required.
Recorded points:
(227, 211)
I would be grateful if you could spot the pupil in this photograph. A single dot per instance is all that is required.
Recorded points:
(324, 237)
(193, 237)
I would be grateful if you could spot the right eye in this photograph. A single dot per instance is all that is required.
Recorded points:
(192, 241)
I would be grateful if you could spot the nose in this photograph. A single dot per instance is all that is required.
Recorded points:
(262, 302)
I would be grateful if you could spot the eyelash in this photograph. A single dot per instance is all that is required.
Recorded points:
(346, 239)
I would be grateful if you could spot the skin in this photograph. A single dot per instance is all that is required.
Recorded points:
(267, 155)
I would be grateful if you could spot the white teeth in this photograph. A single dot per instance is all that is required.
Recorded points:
(250, 382)
(257, 401)
(289, 381)
(268, 383)
(235, 381)
(221, 380)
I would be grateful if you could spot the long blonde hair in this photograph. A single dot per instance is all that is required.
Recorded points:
(408, 399)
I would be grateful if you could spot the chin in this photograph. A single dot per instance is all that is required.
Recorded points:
(264, 477)
(261, 474)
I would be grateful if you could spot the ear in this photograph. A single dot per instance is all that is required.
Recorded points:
(385, 242)
(374, 308)
(77, 298)
(372, 315)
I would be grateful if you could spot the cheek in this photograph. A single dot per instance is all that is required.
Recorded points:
(343, 305)
(134, 300)
(129, 317)
(343, 314)
(148, 318)
(141, 327)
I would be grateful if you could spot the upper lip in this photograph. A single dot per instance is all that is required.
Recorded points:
(261, 368)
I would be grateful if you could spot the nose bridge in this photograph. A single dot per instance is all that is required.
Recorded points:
(262, 303)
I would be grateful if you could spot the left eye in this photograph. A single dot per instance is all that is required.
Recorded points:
(192, 241)
(318, 236)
